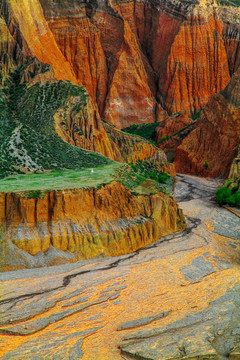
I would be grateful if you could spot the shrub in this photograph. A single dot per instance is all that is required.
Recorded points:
(153, 176)
(34, 194)
(135, 168)
(144, 130)
(197, 115)
(205, 165)
(163, 178)
(222, 195)
(237, 198)
(230, 200)
(163, 138)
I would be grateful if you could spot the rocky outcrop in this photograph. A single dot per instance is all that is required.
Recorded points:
(130, 99)
(75, 124)
(134, 58)
(81, 126)
(198, 49)
(235, 169)
(10, 52)
(106, 221)
(211, 147)
(234, 172)
(26, 17)
(137, 60)
(130, 149)
(170, 132)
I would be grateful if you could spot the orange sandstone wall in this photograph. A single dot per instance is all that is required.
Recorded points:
(107, 221)
(139, 61)
(28, 15)
(197, 65)
(135, 58)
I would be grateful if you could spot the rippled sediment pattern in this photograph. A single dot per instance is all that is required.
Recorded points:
(162, 301)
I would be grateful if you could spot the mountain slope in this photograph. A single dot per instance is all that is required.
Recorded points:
(211, 147)
(139, 61)
(143, 55)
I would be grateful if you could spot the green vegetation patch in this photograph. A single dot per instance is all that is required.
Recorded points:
(234, 3)
(28, 140)
(34, 194)
(150, 170)
(163, 138)
(33, 185)
(144, 130)
(206, 165)
(37, 184)
(197, 115)
(229, 194)
(138, 183)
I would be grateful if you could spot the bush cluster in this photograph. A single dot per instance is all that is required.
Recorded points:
(226, 195)
(149, 172)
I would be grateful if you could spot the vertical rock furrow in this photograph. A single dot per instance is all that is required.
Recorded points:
(107, 221)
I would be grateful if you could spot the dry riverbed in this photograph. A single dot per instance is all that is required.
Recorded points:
(177, 298)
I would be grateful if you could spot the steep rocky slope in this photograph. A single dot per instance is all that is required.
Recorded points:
(110, 219)
(139, 61)
(133, 57)
(177, 53)
(211, 147)
(35, 107)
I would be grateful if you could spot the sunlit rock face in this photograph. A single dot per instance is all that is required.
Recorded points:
(174, 299)
(139, 61)
(134, 58)
(106, 221)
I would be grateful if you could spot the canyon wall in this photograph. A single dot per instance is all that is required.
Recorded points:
(134, 58)
(211, 147)
(140, 62)
(110, 220)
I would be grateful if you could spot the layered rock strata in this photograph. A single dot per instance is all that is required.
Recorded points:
(106, 221)
(135, 58)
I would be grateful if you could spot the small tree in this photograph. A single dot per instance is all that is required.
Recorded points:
(205, 165)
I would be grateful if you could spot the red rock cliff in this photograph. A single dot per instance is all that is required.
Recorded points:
(138, 60)
(134, 57)
(211, 147)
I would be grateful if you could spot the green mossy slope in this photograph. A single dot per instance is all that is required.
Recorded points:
(28, 140)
